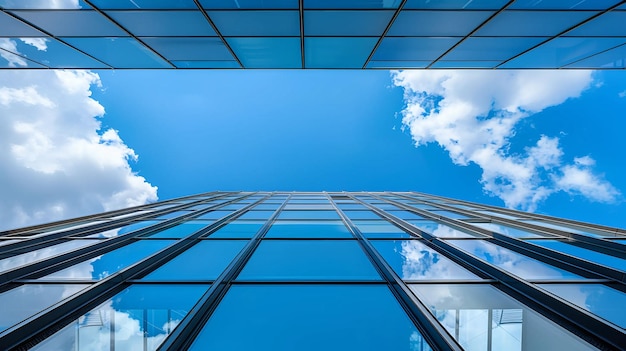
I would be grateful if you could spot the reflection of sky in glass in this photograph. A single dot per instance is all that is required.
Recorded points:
(238, 229)
(308, 229)
(179, 231)
(496, 214)
(598, 299)
(511, 261)
(506, 230)
(46, 252)
(309, 317)
(589, 255)
(123, 230)
(109, 263)
(569, 229)
(412, 260)
(481, 318)
(26, 300)
(441, 230)
(142, 315)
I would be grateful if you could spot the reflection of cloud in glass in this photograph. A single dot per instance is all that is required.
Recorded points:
(422, 262)
(511, 261)
(440, 230)
(47, 252)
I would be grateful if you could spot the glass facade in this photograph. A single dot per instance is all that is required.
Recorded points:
(310, 271)
(297, 34)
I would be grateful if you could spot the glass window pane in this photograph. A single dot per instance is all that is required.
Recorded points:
(437, 23)
(11, 27)
(26, 300)
(456, 4)
(398, 64)
(564, 4)
(238, 229)
(309, 260)
(511, 261)
(164, 23)
(412, 260)
(308, 207)
(214, 215)
(532, 23)
(257, 23)
(307, 318)
(123, 230)
(412, 49)
(308, 215)
(138, 318)
(449, 214)
(465, 64)
(82, 23)
(614, 58)
(481, 317)
(43, 4)
(351, 4)
(346, 23)
(598, 299)
(144, 4)
(361, 214)
(179, 231)
(257, 215)
(570, 229)
(40, 254)
(203, 261)
(507, 230)
(380, 229)
(119, 52)
(249, 4)
(267, 52)
(111, 262)
(311, 229)
(173, 214)
(585, 254)
(405, 215)
(442, 230)
(337, 52)
(491, 49)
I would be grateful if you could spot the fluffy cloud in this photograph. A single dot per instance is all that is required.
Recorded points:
(56, 160)
(473, 115)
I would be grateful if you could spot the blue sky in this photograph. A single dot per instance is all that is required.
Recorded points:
(79, 142)
(198, 131)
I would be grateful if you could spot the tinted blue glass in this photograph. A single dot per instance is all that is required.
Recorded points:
(164, 23)
(257, 23)
(312, 229)
(397, 64)
(26, 300)
(238, 229)
(203, 261)
(563, 51)
(214, 214)
(308, 215)
(111, 262)
(412, 49)
(81, 23)
(491, 213)
(249, 4)
(119, 52)
(43, 4)
(380, 229)
(43, 253)
(11, 60)
(481, 317)
(614, 58)
(405, 214)
(346, 23)
(144, 4)
(350, 206)
(309, 260)
(532, 23)
(10, 27)
(442, 230)
(564, 4)
(455, 4)
(361, 215)
(465, 64)
(173, 214)
(123, 230)
(598, 299)
(512, 261)
(571, 229)
(412, 260)
(308, 207)
(267, 52)
(449, 214)
(585, 254)
(138, 318)
(54, 54)
(190, 49)
(256, 215)
(351, 4)
(337, 52)
(329, 317)
(179, 231)
(507, 230)
(437, 23)
(491, 49)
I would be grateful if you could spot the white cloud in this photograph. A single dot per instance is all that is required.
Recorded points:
(622, 94)
(56, 161)
(473, 115)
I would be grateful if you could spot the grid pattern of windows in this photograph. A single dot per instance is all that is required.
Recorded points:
(311, 271)
(352, 34)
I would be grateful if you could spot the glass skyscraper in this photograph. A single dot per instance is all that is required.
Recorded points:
(313, 271)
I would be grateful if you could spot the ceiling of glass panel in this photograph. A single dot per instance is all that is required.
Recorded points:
(316, 34)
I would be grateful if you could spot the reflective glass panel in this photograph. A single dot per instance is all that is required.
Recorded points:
(563, 4)
(267, 52)
(614, 58)
(249, 4)
(493, 49)
(257, 215)
(506, 230)
(311, 229)
(111, 262)
(351, 4)
(308, 215)
(337, 52)
(465, 64)
(532, 23)
(238, 229)
(570, 229)
(412, 49)
(203, 261)
(179, 231)
(585, 254)
(10, 27)
(455, 4)
(214, 215)
(144, 4)
(449, 214)
(309, 260)
(437, 23)
(123, 230)
(481, 317)
(361, 215)
(40, 254)
(497, 214)
(309, 317)
(346, 23)
(598, 299)
(380, 229)
(405, 215)
(442, 230)
(257, 23)
(308, 207)
(138, 318)
(397, 64)
(82, 23)
(26, 300)
(511, 261)
(412, 260)
(43, 4)
(119, 52)
(189, 49)
(164, 23)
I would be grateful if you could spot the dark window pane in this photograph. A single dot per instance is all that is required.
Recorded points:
(309, 317)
